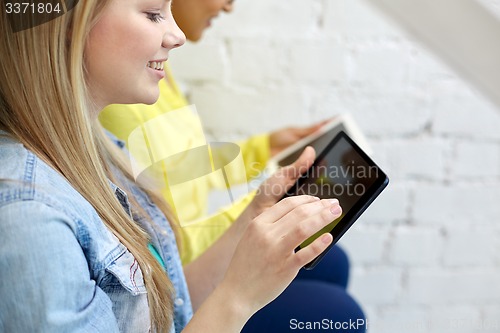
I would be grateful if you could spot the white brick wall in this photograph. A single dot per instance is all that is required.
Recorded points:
(426, 256)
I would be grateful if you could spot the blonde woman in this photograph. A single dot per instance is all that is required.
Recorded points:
(83, 247)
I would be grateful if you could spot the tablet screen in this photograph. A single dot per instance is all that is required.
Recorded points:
(318, 144)
(345, 172)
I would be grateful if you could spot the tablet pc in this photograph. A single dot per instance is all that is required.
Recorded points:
(343, 171)
(321, 138)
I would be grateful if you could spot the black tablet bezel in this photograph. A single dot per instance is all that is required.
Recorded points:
(359, 207)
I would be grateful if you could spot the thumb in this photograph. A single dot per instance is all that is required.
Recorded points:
(293, 171)
(276, 186)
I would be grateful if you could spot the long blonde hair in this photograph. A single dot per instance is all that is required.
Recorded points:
(44, 103)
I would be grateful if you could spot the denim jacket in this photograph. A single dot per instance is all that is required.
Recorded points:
(61, 269)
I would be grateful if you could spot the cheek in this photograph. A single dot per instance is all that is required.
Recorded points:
(216, 6)
(141, 44)
(122, 40)
(112, 58)
(125, 45)
(96, 57)
(207, 8)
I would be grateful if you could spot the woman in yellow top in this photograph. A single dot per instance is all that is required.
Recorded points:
(171, 119)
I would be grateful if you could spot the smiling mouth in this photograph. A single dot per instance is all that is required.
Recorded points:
(158, 65)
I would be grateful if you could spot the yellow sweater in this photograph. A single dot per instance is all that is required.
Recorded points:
(158, 137)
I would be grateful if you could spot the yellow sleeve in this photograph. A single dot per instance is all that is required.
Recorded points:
(197, 238)
(256, 153)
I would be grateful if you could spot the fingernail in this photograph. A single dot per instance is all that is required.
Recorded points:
(325, 238)
(335, 209)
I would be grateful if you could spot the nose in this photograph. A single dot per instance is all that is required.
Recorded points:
(228, 6)
(174, 37)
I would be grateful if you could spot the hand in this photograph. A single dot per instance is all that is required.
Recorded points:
(265, 261)
(283, 138)
(255, 259)
(207, 271)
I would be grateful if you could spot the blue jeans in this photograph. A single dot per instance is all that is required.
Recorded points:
(316, 301)
(333, 268)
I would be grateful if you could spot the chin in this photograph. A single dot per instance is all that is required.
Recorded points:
(194, 36)
(152, 100)
(149, 97)
(144, 99)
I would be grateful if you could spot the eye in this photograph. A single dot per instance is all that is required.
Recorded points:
(155, 17)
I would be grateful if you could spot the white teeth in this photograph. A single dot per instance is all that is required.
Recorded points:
(155, 65)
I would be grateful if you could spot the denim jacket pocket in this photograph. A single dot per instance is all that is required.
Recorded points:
(125, 272)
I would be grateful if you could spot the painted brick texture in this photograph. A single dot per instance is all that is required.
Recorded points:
(426, 256)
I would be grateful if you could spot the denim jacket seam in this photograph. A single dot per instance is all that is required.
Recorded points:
(10, 196)
(112, 256)
(43, 200)
(29, 171)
